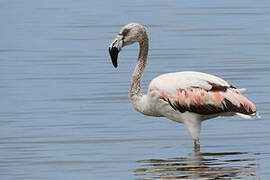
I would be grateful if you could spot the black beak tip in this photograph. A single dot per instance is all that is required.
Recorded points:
(115, 64)
(114, 55)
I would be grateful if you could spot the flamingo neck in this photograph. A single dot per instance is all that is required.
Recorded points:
(138, 99)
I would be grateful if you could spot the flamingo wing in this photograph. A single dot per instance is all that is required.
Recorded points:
(201, 93)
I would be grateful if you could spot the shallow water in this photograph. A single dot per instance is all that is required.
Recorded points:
(65, 111)
(222, 165)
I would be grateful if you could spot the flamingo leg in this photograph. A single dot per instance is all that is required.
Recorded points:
(197, 145)
(193, 125)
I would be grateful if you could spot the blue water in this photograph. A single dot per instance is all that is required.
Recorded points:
(65, 111)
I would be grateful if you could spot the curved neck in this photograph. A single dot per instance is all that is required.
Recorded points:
(135, 92)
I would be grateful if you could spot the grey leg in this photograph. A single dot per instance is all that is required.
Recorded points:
(197, 145)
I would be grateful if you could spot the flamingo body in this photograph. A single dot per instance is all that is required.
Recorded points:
(192, 97)
(200, 93)
(186, 97)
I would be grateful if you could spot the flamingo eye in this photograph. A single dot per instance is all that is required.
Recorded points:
(125, 32)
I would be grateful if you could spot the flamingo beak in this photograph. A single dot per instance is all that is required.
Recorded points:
(114, 49)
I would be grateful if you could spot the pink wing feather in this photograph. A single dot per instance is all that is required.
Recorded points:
(207, 102)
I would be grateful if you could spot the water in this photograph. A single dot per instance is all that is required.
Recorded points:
(65, 111)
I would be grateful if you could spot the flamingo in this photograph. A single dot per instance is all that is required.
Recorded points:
(186, 97)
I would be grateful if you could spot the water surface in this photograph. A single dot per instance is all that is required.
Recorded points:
(65, 111)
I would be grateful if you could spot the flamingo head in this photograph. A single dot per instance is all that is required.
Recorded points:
(128, 35)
